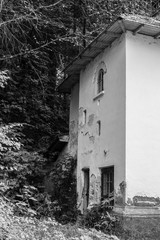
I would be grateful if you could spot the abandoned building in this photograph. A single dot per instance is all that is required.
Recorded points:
(115, 117)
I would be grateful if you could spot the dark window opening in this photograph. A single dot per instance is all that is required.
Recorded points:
(84, 116)
(108, 184)
(99, 127)
(100, 81)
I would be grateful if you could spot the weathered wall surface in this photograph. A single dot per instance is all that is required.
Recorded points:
(142, 119)
(71, 147)
(73, 121)
(108, 149)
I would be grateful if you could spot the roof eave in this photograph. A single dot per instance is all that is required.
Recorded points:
(135, 24)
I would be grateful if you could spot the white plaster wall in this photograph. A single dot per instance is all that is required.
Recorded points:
(110, 110)
(142, 116)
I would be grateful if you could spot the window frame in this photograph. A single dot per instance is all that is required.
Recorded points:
(106, 175)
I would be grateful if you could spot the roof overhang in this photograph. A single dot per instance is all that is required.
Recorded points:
(136, 24)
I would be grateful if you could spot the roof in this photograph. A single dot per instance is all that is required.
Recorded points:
(134, 23)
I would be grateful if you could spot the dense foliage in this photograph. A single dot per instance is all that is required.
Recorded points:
(29, 228)
(61, 184)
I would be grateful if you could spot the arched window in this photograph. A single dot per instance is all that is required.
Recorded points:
(100, 81)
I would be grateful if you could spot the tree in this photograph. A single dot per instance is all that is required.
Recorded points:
(32, 39)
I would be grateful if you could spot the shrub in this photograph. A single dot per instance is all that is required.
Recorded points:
(17, 228)
(100, 217)
(63, 191)
(22, 175)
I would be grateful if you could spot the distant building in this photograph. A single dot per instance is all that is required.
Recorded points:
(115, 117)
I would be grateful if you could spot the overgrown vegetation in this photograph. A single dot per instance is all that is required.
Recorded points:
(19, 227)
(100, 217)
(22, 175)
(61, 184)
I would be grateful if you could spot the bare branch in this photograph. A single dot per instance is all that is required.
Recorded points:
(51, 5)
(27, 15)
(36, 49)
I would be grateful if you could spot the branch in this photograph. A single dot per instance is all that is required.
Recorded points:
(28, 15)
(35, 49)
(51, 5)
(15, 19)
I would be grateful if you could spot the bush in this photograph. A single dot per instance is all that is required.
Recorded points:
(18, 228)
(63, 192)
(21, 178)
(13, 227)
(22, 175)
(100, 217)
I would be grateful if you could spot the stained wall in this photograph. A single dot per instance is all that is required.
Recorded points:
(73, 121)
(107, 149)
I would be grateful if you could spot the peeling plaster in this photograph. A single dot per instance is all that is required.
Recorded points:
(80, 111)
(73, 134)
(72, 126)
(87, 152)
(94, 192)
(95, 151)
(106, 152)
(92, 139)
(91, 119)
(120, 194)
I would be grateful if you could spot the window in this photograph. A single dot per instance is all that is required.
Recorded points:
(100, 81)
(84, 116)
(108, 183)
(99, 127)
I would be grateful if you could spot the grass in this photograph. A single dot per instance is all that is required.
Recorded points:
(138, 229)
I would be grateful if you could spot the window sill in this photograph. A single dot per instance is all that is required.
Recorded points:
(98, 95)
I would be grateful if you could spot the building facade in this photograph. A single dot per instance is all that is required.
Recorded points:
(115, 117)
